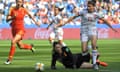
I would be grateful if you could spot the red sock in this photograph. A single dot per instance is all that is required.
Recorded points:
(11, 53)
(102, 63)
(25, 46)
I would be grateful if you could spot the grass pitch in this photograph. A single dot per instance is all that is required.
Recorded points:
(25, 60)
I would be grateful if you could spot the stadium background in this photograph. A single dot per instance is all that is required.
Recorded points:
(39, 8)
(24, 61)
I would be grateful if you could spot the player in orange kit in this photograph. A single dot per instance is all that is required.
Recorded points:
(16, 15)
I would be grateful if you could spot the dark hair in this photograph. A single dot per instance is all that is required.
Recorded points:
(54, 44)
(22, 4)
(22, 0)
(94, 1)
(60, 9)
(91, 2)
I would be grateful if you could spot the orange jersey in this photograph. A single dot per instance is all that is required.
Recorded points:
(18, 21)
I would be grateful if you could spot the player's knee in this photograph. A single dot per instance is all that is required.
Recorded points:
(20, 46)
(13, 42)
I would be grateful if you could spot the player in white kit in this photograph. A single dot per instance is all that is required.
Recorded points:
(89, 29)
(57, 32)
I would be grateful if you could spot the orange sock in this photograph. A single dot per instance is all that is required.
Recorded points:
(11, 53)
(102, 63)
(25, 46)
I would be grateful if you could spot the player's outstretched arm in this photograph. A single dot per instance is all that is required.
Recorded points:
(49, 26)
(108, 24)
(53, 61)
(65, 22)
(60, 24)
(37, 23)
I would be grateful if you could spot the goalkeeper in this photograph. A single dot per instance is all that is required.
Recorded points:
(64, 55)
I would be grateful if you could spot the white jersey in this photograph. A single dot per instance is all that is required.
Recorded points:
(55, 20)
(88, 24)
(88, 20)
(57, 32)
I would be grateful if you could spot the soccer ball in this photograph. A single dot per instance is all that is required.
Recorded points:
(39, 67)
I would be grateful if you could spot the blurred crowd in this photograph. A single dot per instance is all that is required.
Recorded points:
(42, 9)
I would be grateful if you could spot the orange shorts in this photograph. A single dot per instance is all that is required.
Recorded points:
(18, 31)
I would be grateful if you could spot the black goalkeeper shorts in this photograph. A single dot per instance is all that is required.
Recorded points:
(79, 59)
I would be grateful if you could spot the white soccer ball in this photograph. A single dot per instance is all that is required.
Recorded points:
(39, 67)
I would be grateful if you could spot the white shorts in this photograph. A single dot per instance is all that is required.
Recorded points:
(58, 34)
(87, 34)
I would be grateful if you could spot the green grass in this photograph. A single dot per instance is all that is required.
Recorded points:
(25, 60)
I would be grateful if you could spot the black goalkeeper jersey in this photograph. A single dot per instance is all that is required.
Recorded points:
(68, 59)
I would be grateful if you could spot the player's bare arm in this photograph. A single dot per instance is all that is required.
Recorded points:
(108, 24)
(69, 20)
(37, 23)
(49, 25)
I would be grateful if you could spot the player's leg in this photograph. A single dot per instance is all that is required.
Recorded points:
(96, 42)
(94, 51)
(90, 46)
(84, 61)
(84, 44)
(60, 38)
(102, 63)
(16, 38)
(93, 37)
(84, 48)
(25, 46)
(51, 37)
(86, 65)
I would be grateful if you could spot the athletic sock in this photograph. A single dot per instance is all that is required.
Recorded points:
(102, 63)
(94, 56)
(26, 46)
(11, 53)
